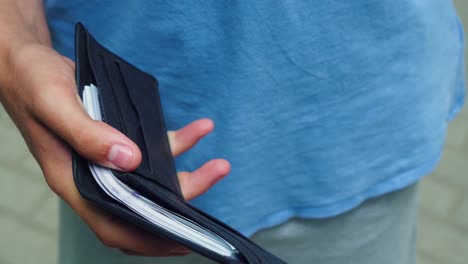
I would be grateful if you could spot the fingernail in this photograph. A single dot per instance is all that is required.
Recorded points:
(121, 156)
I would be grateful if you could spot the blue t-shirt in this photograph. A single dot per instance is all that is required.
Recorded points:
(318, 105)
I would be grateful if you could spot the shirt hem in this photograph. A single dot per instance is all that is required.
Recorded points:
(394, 184)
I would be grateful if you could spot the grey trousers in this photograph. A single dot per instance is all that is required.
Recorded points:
(382, 230)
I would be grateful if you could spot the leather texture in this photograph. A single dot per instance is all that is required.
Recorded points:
(130, 102)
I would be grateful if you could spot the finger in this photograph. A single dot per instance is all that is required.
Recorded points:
(183, 139)
(55, 160)
(70, 63)
(196, 183)
(56, 105)
(116, 233)
(52, 155)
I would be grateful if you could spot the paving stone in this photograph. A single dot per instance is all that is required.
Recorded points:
(437, 198)
(457, 133)
(464, 112)
(461, 212)
(18, 193)
(439, 239)
(426, 259)
(4, 261)
(21, 244)
(453, 168)
(47, 213)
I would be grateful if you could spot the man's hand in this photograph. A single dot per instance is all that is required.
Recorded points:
(37, 88)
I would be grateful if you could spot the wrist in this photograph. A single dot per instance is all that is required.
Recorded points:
(20, 26)
(23, 20)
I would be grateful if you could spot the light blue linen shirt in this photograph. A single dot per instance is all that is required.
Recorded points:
(318, 105)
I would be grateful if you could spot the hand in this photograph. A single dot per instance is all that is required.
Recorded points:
(41, 98)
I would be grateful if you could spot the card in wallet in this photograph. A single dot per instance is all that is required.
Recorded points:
(127, 98)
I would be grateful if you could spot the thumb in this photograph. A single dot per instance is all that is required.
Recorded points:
(44, 85)
(64, 114)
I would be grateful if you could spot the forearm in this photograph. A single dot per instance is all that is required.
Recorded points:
(22, 22)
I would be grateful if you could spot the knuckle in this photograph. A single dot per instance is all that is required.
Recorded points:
(104, 232)
(87, 142)
(44, 96)
(38, 102)
(81, 139)
(107, 241)
(53, 182)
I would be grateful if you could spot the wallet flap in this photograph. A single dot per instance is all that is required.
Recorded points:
(130, 103)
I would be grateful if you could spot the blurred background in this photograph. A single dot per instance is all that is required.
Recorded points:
(29, 225)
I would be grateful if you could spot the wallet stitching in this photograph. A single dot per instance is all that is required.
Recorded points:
(97, 71)
(156, 177)
(148, 169)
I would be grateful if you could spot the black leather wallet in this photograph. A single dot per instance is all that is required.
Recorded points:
(130, 102)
